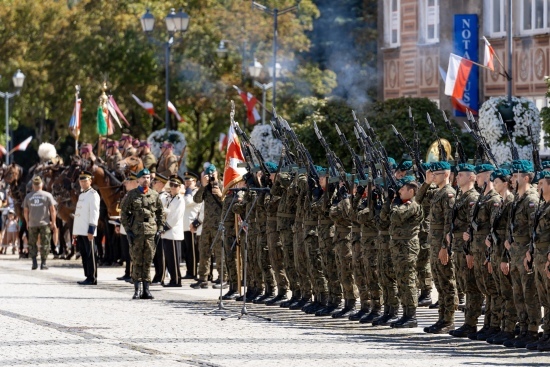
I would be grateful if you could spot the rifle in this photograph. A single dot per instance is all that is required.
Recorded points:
(533, 237)
(473, 226)
(420, 172)
(336, 169)
(480, 140)
(266, 178)
(513, 149)
(417, 158)
(442, 152)
(460, 155)
(536, 155)
(454, 214)
(356, 159)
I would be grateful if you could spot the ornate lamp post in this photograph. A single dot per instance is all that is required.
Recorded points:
(18, 79)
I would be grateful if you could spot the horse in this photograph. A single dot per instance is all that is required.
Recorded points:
(129, 164)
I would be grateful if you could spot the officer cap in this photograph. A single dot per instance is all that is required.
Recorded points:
(176, 179)
(131, 177)
(545, 164)
(160, 177)
(502, 173)
(190, 176)
(86, 148)
(11, 211)
(484, 167)
(37, 180)
(85, 175)
(465, 167)
(210, 169)
(144, 143)
(522, 166)
(271, 166)
(440, 166)
(392, 163)
(144, 172)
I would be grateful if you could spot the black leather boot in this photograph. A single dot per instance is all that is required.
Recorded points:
(387, 318)
(254, 293)
(299, 304)
(463, 331)
(278, 300)
(401, 319)
(425, 298)
(137, 290)
(268, 293)
(146, 294)
(34, 263)
(348, 310)
(328, 309)
(373, 315)
(363, 311)
(408, 320)
(296, 296)
(43, 265)
(231, 293)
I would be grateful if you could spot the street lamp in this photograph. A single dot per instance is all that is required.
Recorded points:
(18, 79)
(255, 69)
(223, 50)
(275, 13)
(264, 88)
(175, 22)
(277, 70)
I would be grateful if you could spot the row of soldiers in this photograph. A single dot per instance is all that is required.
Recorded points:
(338, 244)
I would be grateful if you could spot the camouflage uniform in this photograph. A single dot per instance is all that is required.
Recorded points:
(262, 249)
(386, 265)
(45, 234)
(150, 162)
(441, 204)
(523, 284)
(274, 244)
(359, 255)
(147, 212)
(230, 234)
(539, 263)
(300, 252)
(212, 215)
(423, 268)
(474, 297)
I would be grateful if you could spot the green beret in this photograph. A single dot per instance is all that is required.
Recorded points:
(405, 166)
(210, 169)
(503, 174)
(143, 172)
(465, 167)
(543, 174)
(271, 166)
(546, 164)
(522, 166)
(506, 165)
(440, 166)
(427, 166)
(484, 167)
(407, 180)
(321, 171)
(392, 163)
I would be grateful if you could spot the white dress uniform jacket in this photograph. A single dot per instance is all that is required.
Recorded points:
(86, 213)
(174, 207)
(192, 209)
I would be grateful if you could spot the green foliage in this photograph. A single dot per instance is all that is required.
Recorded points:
(545, 117)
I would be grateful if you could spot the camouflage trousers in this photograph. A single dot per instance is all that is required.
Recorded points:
(264, 262)
(205, 241)
(525, 291)
(325, 234)
(276, 257)
(474, 297)
(505, 309)
(423, 268)
(404, 254)
(486, 284)
(254, 273)
(543, 285)
(142, 251)
(388, 282)
(230, 259)
(444, 278)
(344, 261)
(371, 255)
(45, 234)
(315, 266)
(287, 238)
(360, 269)
(300, 260)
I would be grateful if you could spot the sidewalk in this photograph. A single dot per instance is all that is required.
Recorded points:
(49, 320)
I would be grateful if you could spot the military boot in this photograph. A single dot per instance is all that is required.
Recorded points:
(319, 305)
(501, 338)
(34, 263)
(231, 293)
(329, 309)
(463, 331)
(442, 327)
(492, 331)
(434, 305)
(363, 311)
(299, 304)
(346, 311)
(311, 304)
(401, 319)
(408, 320)
(43, 265)
(483, 330)
(254, 293)
(280, 298)
(373, 315)
(425, 298)
(248, 293)
(428, 329)
(387, 318)
(137, 290)
(544, 345)
(296, 296)
(528, 338)
(146, 294)
(535, 345)
(268, 293)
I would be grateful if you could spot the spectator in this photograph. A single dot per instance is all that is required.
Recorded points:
(190, 217)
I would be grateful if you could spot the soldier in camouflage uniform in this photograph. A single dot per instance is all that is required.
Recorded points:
(340, 213)
(147, 157)
(465, 270)
(423, 268)
(210, 193)
(505, 309)
(142, 217)
(523, 283)
(441, 203)
(285, 222)
(405, 218)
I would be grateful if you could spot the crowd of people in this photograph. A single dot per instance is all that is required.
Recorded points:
(341, 249)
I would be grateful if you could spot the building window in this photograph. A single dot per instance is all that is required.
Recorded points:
(534, 16)
(393, 22)
(495, 18)
(429, 21)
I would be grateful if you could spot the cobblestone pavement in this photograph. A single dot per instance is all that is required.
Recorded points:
(48, 320)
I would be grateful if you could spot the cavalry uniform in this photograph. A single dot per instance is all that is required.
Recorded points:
(150, 162)
(167, 165)
(112, 161)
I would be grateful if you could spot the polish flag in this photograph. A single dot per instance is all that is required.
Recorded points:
(222, 144)
(457, 76)
(249, 101)
(148, 106)
(489, 55)
(173, 110)
(232, 173)
(21, 147)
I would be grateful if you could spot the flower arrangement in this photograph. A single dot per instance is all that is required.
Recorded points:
(525, 114)
(265, 142)
(173, 136)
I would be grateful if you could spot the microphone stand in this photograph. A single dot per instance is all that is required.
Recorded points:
(244, 311)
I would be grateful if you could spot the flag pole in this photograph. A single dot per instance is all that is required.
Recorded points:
(506, 75)
(77, 117)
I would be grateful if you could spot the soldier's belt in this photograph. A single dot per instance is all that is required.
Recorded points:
(284, 215)
(310, 223)
(399, 238)
(370, 235)
(437, 226)
(343, 229)
(383, 233)
(321, 222)
(272, 219)
(356, 229)
(524, 240)
(482, 233)
(299, 221)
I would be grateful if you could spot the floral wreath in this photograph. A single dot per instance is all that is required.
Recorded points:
(173, 136)
(526, 114)
(263, 139)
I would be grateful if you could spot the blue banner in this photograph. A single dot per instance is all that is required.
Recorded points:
(466, 44)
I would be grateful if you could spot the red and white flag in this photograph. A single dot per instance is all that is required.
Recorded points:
(457, 76)
(148, 106)
(3, 150)
(249, 101)
(173, 111)
(21, 147)
(115, 107)
(232, 173)
(222, 143)
(489, 55)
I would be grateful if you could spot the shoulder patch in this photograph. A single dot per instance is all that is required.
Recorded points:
(450, 195)
(531, 205)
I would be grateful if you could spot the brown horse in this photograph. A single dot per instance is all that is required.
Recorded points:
(13, 176)
(129, 164)
(109, 187)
